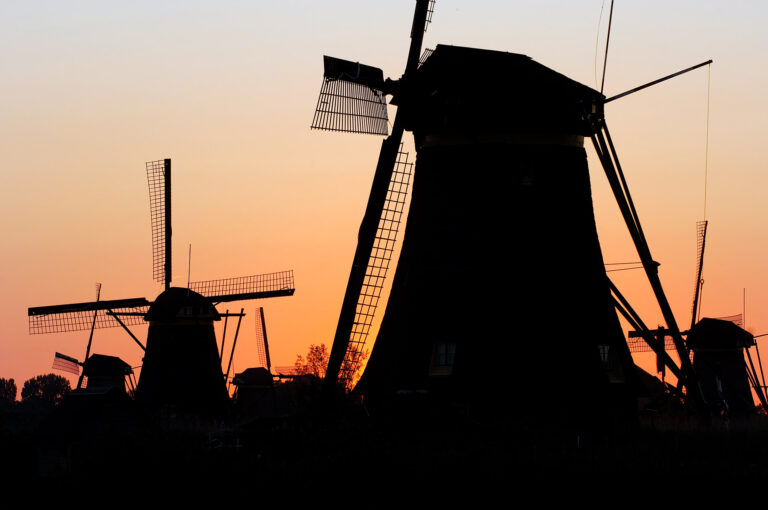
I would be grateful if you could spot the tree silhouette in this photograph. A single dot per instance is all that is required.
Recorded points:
(7, 390)
(49, 388)
(317, 361)
(352, 364)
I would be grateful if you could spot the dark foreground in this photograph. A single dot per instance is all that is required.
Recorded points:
(119, 451)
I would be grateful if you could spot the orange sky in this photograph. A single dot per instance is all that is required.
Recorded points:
(90, 91)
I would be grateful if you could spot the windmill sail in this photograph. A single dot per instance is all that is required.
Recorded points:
(351, 98)
(159, 180)
(388, 157)
(430, 12)
(262, 346)
(378, 266)
(424, 56)
(701, 239)
(80, 316)
(66, 363)
(246, 287)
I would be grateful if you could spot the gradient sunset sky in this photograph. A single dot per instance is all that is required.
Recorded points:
(91, 90)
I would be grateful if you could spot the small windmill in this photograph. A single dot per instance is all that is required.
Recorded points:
(180, 336)
(253, 384)
(71, 365)
(103, 374)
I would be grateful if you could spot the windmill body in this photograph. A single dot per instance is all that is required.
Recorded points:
(500, 295)
(718, 357)
(181, 364)
(106, 374)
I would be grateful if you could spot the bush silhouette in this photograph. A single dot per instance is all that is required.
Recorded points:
(49, 388)
(7, 390)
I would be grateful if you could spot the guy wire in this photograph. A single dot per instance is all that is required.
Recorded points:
(597, 38)
(706, 143)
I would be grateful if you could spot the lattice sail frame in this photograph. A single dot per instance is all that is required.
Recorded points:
(701, 235)
(430, 12)
(261, 349)
(425, 56)
(268, 282)
(65, 322)
(351, 99)
(66, 363)
(378, 266)
(640, 345)
(156, 181)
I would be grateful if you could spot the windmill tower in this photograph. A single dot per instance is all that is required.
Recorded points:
(500, 295)
(254, 386)
(181, 359)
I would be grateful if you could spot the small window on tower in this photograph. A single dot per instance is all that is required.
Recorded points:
(445, 353)
(442, 359)
(605, 356)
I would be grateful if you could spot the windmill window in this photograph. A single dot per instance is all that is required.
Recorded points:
(444, 354)
(442, 359)
(605, 356)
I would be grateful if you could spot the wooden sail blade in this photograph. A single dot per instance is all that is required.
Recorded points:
(66, 363)
(388, 157)
(259, 286)
(378, 267)
(159, 180)
(262, 345)
(80, 316)
(351, 99)
(701, 238)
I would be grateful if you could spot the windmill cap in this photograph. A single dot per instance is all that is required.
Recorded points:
(460, 89)
(718, 334)
(101, 364)
(177, 304)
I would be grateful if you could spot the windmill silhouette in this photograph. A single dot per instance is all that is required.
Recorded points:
(181, 359)
(719, 347)
(500, 259)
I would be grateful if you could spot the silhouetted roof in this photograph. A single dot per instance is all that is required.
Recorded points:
(472, 89)
(258, 376)
(101, 365)
(177, 303)
(718, 334)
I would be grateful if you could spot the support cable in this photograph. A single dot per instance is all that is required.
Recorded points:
(607, 40)
(597, 37)
(706, 142)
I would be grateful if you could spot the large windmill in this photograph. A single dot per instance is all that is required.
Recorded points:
(181, 360)
(500, 293)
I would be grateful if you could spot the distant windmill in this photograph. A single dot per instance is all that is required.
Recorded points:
(181, 360)
(254, 384)
(500, 237)
(104, 374)
(719, 348)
